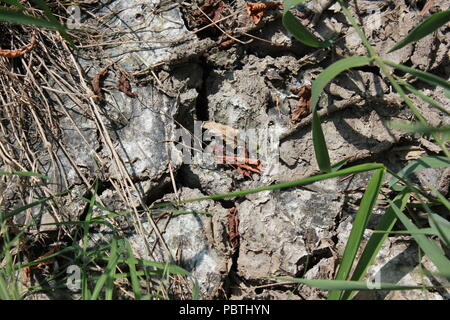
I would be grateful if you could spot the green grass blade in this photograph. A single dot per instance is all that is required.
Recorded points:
(422, 75)
(420, 164)
(432, 23)
(352, 170)
(359, 225)
(172, 269)
(62, 29)
(339, 285)
(108, 272)
(438, 223)
(430, 248)
(4, 293)
(25, 174)
(424, 97)
(301, 33)
(318, 86)
(441, 226)
(320, 145)
(443, 132)
(131, 261)
(376, 240)
(14, 3)
(20, 18)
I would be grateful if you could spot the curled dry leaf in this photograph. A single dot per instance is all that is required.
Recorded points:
(303, 107)
(212, 8)
(96, 86)
(124, 85)
(19, 52)
(257, 10)
(233, 227)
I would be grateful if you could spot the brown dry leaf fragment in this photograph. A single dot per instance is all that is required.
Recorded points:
(212, 8)
(19, 52)
(124, 85)
(233, 227)
(96, 86)
(257, 10)
(244, 165)
(303, 107)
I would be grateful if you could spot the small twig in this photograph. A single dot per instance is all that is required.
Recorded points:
(225, 33)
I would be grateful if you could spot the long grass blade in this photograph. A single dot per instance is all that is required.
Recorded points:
(14, 3)
(359, 225)
(131, 261)
(297, 29)
(422, 75)
(108, 272)
(420, 164)
(430, 248)
(376, 240)
(339, 285)
(318, 85)
(4, 293)
(20, 18)
(428, 26)
(352, 170)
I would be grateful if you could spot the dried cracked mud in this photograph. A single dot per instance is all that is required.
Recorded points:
(183, 78)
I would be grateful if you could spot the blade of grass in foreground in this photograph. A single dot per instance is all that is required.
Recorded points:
(14, 3)
(423, 96)
(430, 248)
(359, 225)
(320, 147)
(131, 261)
(20, 18)
(297, 29)
(432, 23)
(338, 285)
(352, 170)
(443, 131)
(108, 272)
(420, 164)
(25, 174)
(438, 223)
(376, 240)
(4, 294)
(422, 75)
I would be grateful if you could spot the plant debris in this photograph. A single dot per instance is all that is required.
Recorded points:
(99, 97)
(7, 53)
(303, 107)
(124, 86)
(212, 8)
(233, 227)
(257, 10)
(27, 270)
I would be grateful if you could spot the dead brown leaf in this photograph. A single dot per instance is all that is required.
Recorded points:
(303, 107)
(96, 86)
(233, 227)
(257, 10)
(124, 86)
(212, 8)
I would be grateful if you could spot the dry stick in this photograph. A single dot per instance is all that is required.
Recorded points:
(120, 166)
(220, 20)
(228, 35)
